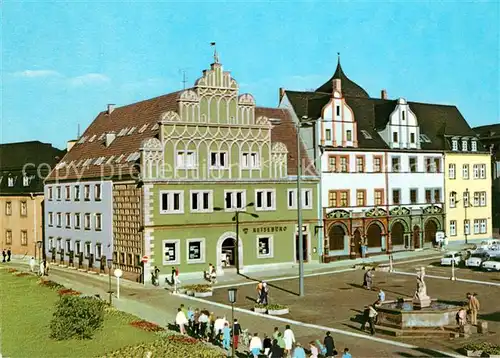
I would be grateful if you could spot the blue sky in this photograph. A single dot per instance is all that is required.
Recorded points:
(63, 62)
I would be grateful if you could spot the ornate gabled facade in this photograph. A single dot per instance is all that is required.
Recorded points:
(382, 165)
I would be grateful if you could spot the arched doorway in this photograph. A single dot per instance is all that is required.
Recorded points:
(336, 237)
(416, 236)
(397, 234)
(357, 242)
(430, 231)
(374, 235)
(228, 252)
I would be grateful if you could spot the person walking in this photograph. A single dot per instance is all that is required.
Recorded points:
(204, 321)
(329, 345)
(381, 296)
(226, 338)
(299, 352)
(255, 345)
(473, 308)
(181, 320)
(196, 322)
(314, 350)
(177, 281)
(42, 269)
(368, 279)
(346, 353)
(276, 333)
(46, 267)
(3, 255)
(276, 350)
(236, 334)
(281, 341)
(259, 291)
(32, 264)
(289, 338)
(9, 253)
(267, 344)
(370, 314)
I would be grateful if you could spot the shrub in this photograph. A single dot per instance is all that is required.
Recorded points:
(76, 317)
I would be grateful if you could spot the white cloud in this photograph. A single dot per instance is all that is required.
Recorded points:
(88, 79)
(37, 73)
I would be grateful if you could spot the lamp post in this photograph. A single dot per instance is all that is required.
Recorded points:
(232, 298)
(39, 244)
(236, 218)
(110, 265)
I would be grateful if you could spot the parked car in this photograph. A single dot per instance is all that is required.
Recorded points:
(493, 264)
(477, 258)
(451, 256)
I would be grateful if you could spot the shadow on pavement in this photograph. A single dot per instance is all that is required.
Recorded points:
(270, 285)
(495, 316)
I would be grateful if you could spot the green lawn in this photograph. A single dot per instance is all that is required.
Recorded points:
(26, 311)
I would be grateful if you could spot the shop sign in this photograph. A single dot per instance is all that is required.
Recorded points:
(269, 229)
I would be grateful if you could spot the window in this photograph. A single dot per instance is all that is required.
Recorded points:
(98, 222)
(171, 254)
(218, 160)
(264, 247)
(338, 110)
(344, 164)
(433, 165)
(59, 244)
(59, 219)
(412, 138)
(186, 159)
(129, 259)
(78, 247)
(24, 208)
(348, 135)
(451, 171)
(98, 251)
(88, 248)
(86, 192)
(465, 171)
(58, 192)
(67, 192)
(476, 226)
(473, 146)
(467, 227)
(77, 193)
(306, 200)
(344, 198)
(360, 164)
(26, 180)
(361, 197)
(265, 199)
(67, 220)
(454, 144)
(328, 134)
(24, 238)
(482, 171)
(97, 192)
(476, 198)
(466, 199)
(195, 250)
(379, 197)
(332, 199)
(482, 198)
(395, 164)
(235, 199)
(172, 202)
(437, 165)
(413, 165)
(50, 193)
(8, 208)
(475, 171)
(250, 160)
(413, 196)
(464, 146)
(50, 219)
(453, 199)
(403, 115)
(428, 196)
(396, 196)
(77, 220)
(87, 222)
(68, 245)
(395, 137)
(8, 237)
(51, 243)
(377, 164)
(201, 201)
(453, 228)
(332, 163)
(482, 226)
(437, 195)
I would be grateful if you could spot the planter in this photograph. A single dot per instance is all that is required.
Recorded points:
(493, 355)
(474, 353)
(203, 294)
(278, 312)
(260, 310)
(189, 293)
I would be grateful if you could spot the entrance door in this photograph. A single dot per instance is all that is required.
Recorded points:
(357, 242)
(374, 235)
(336, 236)
(305, 252)
(397, 234)
(416, 236)
(430, 231)
(228, 252)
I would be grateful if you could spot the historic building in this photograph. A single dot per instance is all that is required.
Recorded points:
(489, 136)
(23, 167)
(198, 176)
(381, 162)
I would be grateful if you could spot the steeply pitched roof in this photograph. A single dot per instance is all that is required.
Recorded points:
(488, 131)
(35, 157)
(348, 87)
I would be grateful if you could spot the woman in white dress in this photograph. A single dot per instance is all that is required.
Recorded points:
(289, 339)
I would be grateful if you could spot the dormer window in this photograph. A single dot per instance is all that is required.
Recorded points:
(395, 137)
(454, 144)
(473, 146)
(464, 146)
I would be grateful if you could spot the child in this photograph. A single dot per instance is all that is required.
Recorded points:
(226, 337)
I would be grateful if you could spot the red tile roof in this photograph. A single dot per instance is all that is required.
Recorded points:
(147, 113)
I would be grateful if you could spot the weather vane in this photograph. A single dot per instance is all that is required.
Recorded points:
(216, 56)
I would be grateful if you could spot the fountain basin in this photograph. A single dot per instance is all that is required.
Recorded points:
(404, 315)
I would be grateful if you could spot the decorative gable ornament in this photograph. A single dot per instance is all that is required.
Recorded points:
(433, 209)
(400, 211)
(278, 147)
(246, 99)
(169, 116)
(151, 144)
(338, 214)
(262, 120)
(188, 96)
(376, 212)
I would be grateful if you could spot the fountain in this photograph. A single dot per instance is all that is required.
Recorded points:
(418, 315)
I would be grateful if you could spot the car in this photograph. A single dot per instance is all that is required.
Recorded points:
(452, 256)
(476, 259)
(493, 264)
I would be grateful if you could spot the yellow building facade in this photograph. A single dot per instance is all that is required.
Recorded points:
(468, 194)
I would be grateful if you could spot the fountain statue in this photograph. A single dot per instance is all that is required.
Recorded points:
(420, 299)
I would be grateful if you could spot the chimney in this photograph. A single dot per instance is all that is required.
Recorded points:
(110, 137)
(337, 85)
(111, 108)
(70, 144)
(383, 94)
(282, 93)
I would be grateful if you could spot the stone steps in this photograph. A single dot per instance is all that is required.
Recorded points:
(446, 332)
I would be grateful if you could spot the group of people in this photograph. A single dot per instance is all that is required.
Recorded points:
(204, 325)
(470, 311)
(211, 274)
(43, 268)
(6, 254)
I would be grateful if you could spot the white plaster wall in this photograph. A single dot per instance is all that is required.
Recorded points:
(338, 124)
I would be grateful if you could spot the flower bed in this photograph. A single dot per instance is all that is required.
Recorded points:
(258, 308)
(147, 326)
(68, 291)
(182, 339)
(12, 270)
(50, 284)
(480, 349)
(277, 310)
(198, 288)
(22, 274)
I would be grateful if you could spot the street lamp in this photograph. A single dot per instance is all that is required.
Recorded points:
(232, 298)
(305, 121)
(110, 265)
(39, 244)
(236, 218)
